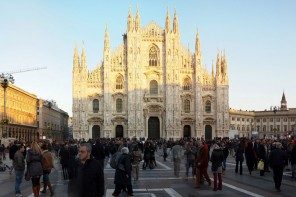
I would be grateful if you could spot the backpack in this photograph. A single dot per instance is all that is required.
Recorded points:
(114, 160)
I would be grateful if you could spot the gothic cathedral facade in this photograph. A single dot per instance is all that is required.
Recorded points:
(150, 86)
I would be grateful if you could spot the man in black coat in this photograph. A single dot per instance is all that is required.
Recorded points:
(90, 179)
(98, 152)
(277, 161)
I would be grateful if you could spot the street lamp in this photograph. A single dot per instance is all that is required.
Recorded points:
(5, 80)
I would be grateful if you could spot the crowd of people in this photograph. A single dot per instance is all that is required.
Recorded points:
(83, 162)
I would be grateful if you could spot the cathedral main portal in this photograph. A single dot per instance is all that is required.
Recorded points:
(153, 128)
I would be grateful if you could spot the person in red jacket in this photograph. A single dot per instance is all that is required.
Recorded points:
(202, 163)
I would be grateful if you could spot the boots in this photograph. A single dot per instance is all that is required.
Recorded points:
(215, 181)
(50, 189)
(44, 188)
(36, 190)
(219, 181)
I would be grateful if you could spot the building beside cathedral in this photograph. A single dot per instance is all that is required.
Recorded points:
(150, 86)
(277, 122)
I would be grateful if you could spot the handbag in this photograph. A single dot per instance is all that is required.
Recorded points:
(260, 165)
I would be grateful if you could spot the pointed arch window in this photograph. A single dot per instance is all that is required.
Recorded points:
(186, 106)
(96, 105)
(153, 87)
(208, 107)
(119, 82)
(153, 56)
(187, 84)
(119, 105)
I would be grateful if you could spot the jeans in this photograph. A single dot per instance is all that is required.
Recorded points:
(19, 174)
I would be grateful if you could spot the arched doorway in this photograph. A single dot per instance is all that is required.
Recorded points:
(187, 131)
(119, 131)
(208, 132)
(95, 132)
(153, 128)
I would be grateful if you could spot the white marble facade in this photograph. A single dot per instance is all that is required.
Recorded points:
(150, 86)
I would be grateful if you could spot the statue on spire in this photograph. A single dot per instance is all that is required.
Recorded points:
(197, 45)
(83, 56)
(106, 40)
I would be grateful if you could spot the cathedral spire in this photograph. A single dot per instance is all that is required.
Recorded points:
(130, 20)
(197, 45)
(106, 40)
(76, 60)
(213, 74)
(176, 23)
(218, 65)
(167, 22)
(83, 56)
(106, 44)
(137, 20)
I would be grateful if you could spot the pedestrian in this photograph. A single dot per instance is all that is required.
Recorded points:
(98, 152)
(217, 159)
(262, 153)
(176, 156)
(190, 154)
(90, 178)
(64, 160)
(250, 157)
(122, 179)
(239, 157)
(47, 165)
(277, 160)
(136, 159)
(19, 167)
(12, 151)
(225, 150)
(34, 165)
(73, 151)
(164, 151)
(202, 163)
(293, 161)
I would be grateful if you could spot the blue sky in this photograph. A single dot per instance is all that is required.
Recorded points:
(258, 36)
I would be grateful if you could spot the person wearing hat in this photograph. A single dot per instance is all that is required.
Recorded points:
(277, 161)
(217, 159)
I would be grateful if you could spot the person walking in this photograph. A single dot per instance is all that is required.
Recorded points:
(190, 153)
(90, 174)
(277, 161)
(12, 151)
(202, 163)
(293, 160)
(34, 167)
(250, 157)
(122, 179)
(217, 159)
(239, 157)
(19, 167)
(136, 159)
(64, 160)
(47, 165)
(176, 156)
(262, 152)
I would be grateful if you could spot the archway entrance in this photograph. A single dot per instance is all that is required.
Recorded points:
(187, 131)
(95, 132)
(119, 131)
(153, 128)
(208, 132)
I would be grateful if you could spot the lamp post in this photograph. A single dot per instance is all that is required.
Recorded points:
(5, 80)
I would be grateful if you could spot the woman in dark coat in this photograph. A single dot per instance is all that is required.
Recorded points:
(34, 167)
(250, 157)
(123, 180)
(262, 155)
(239, 157)
(217, 159)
